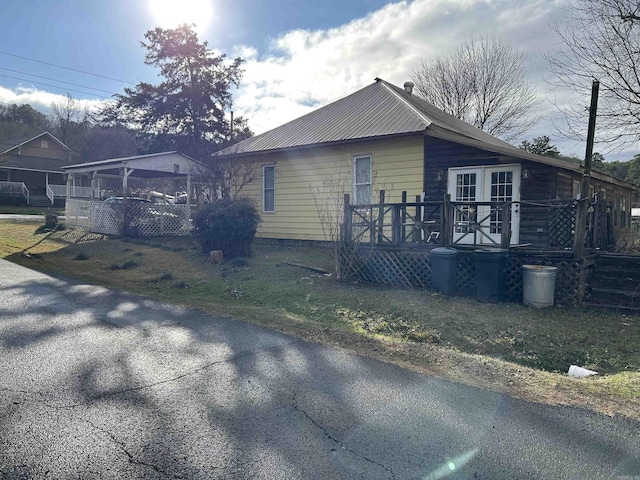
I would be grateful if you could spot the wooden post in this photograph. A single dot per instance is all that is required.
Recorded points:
(590, 137)
(381, 217)
(395, 224)
(417, 227)
(505, 239)
(578, 238)
(594, 232)
(447, 221)
(403, 215)
(346, 224)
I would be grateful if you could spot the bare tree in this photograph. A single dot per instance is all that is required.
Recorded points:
(601, 41)
(70, 122)
(481, 82)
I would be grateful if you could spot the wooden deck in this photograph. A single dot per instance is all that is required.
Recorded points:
(615, 282)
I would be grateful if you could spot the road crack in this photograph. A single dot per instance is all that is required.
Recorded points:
(339, 442)
(195, 371)
(132, 459)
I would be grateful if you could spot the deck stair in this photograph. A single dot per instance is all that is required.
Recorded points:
(39, 201)
(615, 281)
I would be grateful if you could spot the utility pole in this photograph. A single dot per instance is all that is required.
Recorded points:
(586, 178)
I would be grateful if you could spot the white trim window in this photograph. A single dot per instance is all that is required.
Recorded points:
(268, 188)
(44, 144)
(362, 180)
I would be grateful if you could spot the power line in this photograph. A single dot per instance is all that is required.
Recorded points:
(67, 68)
(55, 80)
(55, 86)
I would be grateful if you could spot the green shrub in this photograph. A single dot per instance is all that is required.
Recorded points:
(239, 262)
(227, 225)
(166, 276)
(82, 256)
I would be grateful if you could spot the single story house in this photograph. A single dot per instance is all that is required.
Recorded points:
(383, 137)
(33, 163)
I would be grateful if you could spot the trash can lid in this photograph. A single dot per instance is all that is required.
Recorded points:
(539, 268)
(444, 251)
(491, 250)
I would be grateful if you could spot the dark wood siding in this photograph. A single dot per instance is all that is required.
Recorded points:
(543, 183)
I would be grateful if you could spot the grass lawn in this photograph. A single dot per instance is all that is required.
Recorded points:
(508, 347)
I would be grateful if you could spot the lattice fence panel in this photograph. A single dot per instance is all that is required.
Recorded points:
(389, 267)
(466, 274)
(143, 220)
(571, 278)
(413, 269)
(157, 220)
(562, 225)
(78, 213)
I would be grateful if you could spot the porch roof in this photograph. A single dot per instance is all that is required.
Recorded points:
(154, 165)
(33, 164)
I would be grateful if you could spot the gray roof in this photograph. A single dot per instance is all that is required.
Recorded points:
(383, 110)
(109, 161)
(378, 110)
(36, 164)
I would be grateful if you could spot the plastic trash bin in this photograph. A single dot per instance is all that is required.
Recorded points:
(444, 263)
(538, 285)
(490, 264)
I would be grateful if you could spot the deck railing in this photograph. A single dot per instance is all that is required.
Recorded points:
(541, 224)
(15, 189)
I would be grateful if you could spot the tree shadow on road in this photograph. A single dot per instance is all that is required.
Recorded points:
(149, 390)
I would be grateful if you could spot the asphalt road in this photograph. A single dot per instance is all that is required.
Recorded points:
(96, 383)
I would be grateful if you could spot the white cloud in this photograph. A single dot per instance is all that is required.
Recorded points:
(302, 70)
(40, 99)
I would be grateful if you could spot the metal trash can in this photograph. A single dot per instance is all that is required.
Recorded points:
(444, 264)
(490, 264)
(538, 285)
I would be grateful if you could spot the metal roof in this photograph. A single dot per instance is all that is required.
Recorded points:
(378, 110)
(138, 166)
(109, 161)
(383, 109)
(373, 111)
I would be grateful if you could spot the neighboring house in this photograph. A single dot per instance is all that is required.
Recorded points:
(383, 137)
(31, 164)
(136, 216)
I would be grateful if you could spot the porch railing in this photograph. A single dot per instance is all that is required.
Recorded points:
(542, 224)
(15, 189)
(60, 191)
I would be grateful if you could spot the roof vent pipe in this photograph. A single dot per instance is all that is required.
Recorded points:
(408, 87)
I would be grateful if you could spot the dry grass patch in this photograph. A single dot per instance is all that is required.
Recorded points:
(511, 348)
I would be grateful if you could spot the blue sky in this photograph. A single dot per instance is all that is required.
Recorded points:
(300, 54)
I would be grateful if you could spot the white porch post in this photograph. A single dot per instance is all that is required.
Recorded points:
(93, 186)
(127, 171)
(69, 177)
(46, 179)
(188, 190)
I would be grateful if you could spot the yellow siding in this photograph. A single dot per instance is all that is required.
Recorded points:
(307, 182)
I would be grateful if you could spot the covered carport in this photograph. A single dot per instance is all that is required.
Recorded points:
(93, 214)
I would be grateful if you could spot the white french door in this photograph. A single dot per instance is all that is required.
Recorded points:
(482, 224)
